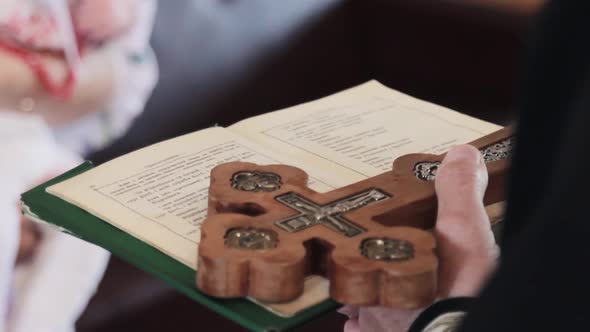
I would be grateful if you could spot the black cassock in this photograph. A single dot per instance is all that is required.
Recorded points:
(543, 281)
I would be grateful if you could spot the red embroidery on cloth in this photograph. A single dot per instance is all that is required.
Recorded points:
(33, 29)
(25, 36)
(62, 90)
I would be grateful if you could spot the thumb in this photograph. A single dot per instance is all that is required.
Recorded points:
(462, 175)
(466, 246)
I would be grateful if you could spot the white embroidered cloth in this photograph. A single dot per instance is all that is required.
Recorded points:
(49, 293)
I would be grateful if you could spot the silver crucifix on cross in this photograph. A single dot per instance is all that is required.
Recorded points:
(330, 215)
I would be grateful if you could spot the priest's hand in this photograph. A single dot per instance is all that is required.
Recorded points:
(30, 238)
(466, 247)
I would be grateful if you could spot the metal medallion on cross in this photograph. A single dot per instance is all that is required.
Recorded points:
(330, 215)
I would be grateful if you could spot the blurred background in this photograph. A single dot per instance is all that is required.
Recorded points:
(224, 60)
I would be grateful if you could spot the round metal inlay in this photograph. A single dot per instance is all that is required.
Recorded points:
(251, 238)
(387, 249)
(498, 151)
(426, 170)
(256, 181)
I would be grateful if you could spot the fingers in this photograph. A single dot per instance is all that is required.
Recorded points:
(352, 312)
(378, 319)
(100, 20)
(352, 325)
(462, 175)
(349, 310)
(30, 237)
(9, 237)
(466, 246)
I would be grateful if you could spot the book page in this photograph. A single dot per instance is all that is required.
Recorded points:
(362, 130)
(159, 194)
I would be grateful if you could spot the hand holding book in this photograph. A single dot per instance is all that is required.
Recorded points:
(466, 248)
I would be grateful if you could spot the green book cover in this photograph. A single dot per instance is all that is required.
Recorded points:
(45, 207)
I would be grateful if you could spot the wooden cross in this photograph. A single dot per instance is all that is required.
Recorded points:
(266, 231)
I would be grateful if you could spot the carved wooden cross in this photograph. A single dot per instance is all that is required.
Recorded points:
(266, 231)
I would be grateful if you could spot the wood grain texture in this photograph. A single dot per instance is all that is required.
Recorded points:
(277, 274)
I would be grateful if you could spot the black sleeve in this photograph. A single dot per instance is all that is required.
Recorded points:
(543, 281)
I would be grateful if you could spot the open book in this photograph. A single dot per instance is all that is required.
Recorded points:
(159, 194)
